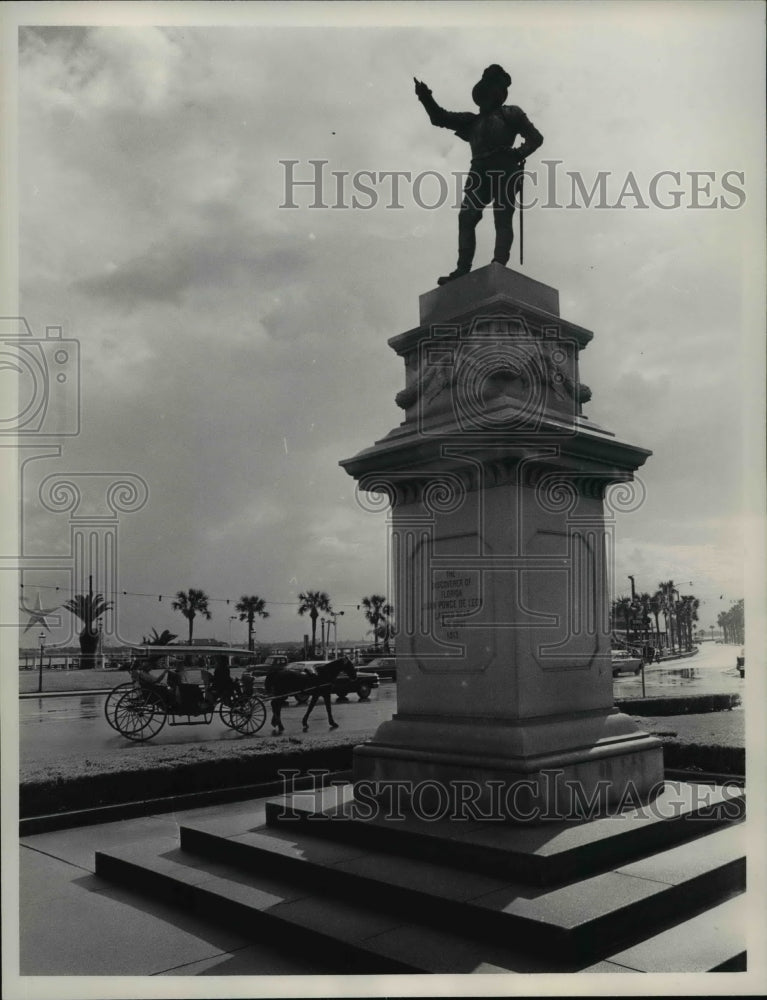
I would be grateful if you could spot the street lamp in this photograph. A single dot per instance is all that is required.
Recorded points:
(334, 615)
(322, 636)
(41, 638)
(232, 618)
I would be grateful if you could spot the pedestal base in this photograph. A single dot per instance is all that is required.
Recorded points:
(563, 767)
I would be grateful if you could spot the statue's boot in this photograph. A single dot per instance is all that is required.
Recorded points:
(503, 240)
(458, 273)
(465, 258)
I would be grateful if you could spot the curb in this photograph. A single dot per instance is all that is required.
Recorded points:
(158, 781)
(62, 694)
(174, 803)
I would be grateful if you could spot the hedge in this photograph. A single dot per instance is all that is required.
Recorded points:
(679, 705)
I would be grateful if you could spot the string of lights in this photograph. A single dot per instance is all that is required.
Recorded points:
(230, 601)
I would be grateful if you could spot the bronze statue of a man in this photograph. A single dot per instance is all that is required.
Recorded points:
(496, 166)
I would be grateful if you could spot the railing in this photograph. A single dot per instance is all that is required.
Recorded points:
(61, 661)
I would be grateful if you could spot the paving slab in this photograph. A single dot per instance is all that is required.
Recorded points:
(72, 923)
(255, 960)
(683, 863)
(165, 859)
(433, 950)
(697, 945)
(343, 920)
(573, 905)
(436, 880)
(289, 845)
(78, 845)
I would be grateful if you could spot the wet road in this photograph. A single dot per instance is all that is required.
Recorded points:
(52, 728)
(67, 726)
(712, 671)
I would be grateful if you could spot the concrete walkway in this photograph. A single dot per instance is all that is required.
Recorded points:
(72, 923)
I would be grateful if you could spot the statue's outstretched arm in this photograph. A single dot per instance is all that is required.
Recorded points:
(437, 115)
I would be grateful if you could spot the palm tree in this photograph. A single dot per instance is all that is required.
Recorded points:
(386, 629)
(732, 623)
(192, 603)
(644, 602)
(376, 612)
(690, 605)
(667, 589)
(249, 607)
(164, 638)
(625, 606)
(88, 608)
(722, 622)
(737, 615)
(312, 602)
(655, 608)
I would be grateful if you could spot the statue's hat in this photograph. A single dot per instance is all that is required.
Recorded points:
(494, 77)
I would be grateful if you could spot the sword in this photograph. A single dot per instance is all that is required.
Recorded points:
(521, 217)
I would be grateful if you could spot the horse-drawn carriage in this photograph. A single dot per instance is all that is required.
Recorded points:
(140, 708)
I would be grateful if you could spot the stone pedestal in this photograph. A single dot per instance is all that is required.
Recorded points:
(502, 500)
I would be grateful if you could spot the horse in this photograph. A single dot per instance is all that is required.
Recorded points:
(317, 679)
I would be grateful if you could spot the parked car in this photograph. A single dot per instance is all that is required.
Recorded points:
(740, 662)
(384, 666)
(361, 685)
(625, 664)
(261, 669)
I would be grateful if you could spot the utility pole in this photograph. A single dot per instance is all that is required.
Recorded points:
(41, 639)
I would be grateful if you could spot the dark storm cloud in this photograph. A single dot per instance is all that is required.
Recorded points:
(196, 260)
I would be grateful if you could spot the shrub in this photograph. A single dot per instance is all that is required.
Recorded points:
(679, 705)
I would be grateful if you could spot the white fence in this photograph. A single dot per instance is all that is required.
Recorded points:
(30, 660)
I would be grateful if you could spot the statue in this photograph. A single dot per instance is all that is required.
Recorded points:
(496, 166)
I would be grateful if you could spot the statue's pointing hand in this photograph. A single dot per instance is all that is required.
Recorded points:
(421, 90)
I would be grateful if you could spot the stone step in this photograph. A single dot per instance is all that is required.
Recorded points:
(550, 852)
(577, 921)
(712, 941)
(367, 937)
(261, 908)
(345, 937)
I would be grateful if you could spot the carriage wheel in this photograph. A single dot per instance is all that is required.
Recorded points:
(139, 715)
(249, 716)
(111, 700)
(225, 710)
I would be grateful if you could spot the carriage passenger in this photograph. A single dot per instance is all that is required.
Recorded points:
(222, 676)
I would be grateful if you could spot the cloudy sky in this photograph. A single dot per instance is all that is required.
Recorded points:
(232, 351)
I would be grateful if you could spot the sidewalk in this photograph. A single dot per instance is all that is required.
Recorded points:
(72, 923)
